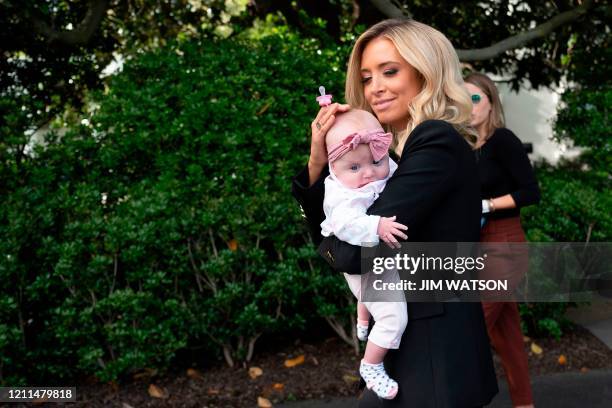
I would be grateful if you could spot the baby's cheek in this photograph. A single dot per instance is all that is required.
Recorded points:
(384, 171)
(347, 179)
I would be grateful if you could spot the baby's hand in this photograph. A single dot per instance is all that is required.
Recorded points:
(388, 229)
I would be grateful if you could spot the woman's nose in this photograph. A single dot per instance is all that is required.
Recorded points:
(377, 84)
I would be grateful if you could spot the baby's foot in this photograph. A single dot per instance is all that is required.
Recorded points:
(362, 332)
(377, 380)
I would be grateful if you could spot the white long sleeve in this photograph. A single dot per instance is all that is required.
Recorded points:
(345, 214)
(345, 210)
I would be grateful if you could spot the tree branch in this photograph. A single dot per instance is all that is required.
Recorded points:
(227, 354)
(390, 9)
(82, 33)
(355, 14)
(519, 39)
(251, 347)
(336, 325)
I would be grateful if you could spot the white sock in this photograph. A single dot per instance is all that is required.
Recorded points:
(377, 380)
(362, 332)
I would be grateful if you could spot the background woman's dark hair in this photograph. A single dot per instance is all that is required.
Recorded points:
(487, 86)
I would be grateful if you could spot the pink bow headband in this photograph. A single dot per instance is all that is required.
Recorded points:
(377, 139)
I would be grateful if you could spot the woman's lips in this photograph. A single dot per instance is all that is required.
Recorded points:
(383, 104)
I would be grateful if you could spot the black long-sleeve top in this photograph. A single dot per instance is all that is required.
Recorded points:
(504, 168)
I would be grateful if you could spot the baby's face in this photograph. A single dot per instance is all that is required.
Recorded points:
(357, 167)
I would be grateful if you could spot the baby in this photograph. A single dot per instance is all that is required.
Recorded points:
(359, 167)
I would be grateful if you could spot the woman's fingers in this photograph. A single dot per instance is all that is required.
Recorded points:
(328, 124)
(326, 113)
(343, 107)
(323, 114)
(320, 126)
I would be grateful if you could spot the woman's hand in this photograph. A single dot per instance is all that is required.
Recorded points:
(320, 126)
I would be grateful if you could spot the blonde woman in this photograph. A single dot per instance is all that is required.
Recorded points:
(407, 74)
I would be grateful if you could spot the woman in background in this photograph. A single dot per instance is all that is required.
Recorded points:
(507, 183)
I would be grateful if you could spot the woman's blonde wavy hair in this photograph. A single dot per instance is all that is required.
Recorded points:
(443, 95)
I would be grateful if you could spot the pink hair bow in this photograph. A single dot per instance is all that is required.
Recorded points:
(378, 140)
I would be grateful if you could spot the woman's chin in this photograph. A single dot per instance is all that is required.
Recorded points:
(397, 122)
(384, 117)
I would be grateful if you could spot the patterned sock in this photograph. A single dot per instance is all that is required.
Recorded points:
(362, 330)
(377, 380)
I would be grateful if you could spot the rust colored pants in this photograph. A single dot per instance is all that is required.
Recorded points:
(503, 320)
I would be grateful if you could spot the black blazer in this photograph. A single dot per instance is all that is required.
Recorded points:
(444, 359)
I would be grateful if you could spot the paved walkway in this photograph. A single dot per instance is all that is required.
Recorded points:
(596, 317)
(603, 331)
(592, 389)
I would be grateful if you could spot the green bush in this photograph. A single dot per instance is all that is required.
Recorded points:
(575, 207)
(544, 319)
(583, 120)
(164, 220)
(576, 195)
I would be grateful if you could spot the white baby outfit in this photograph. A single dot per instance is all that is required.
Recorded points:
(346, 218)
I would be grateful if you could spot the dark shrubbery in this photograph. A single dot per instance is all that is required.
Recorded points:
(165, 221)
(575, 206)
